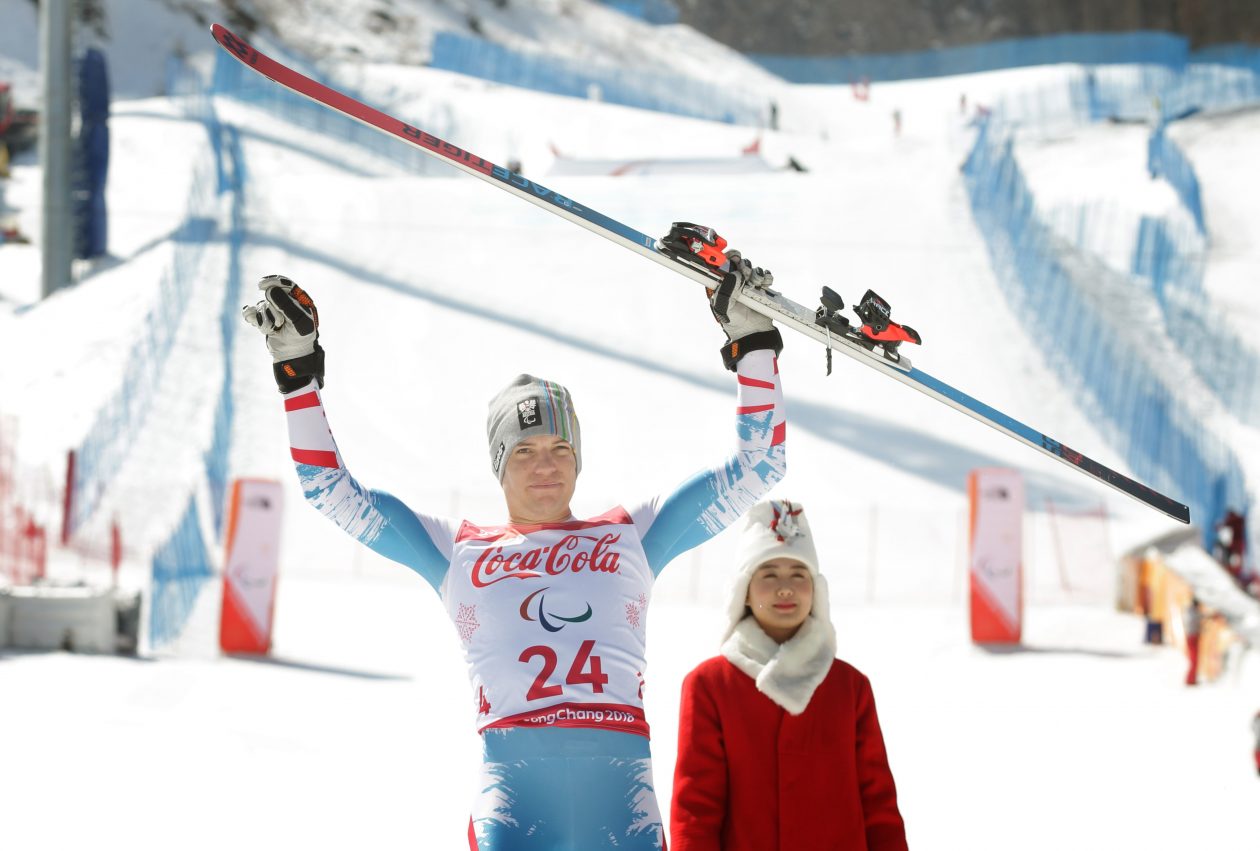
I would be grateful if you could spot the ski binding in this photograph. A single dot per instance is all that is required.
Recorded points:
(877, 328)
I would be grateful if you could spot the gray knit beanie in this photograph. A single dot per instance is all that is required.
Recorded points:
(527, 407)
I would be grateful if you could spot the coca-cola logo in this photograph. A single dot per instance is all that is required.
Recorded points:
(571, 554)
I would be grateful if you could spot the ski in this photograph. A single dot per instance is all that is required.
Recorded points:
(874, 343)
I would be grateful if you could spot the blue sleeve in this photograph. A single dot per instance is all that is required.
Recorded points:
(375, 518)
(707, 503)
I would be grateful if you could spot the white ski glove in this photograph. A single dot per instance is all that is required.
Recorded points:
(289, 320)
(746, 329)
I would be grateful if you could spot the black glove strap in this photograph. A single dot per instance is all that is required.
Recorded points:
(297, 373)
(736, 349)
(720, 300)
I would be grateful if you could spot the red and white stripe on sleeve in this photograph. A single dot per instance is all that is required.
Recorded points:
(310, 440)
(761, 395)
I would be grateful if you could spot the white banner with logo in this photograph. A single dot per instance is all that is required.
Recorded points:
(997, 564)
(252, 568)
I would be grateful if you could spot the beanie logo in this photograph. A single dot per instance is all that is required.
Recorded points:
(527, 413)
(498, 456)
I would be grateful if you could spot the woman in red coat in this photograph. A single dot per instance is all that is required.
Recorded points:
(779, 747)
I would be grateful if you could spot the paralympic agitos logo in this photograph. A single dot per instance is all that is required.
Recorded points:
(571, 554)
(548, 622)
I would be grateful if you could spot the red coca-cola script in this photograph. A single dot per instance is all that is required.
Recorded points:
(571, 554)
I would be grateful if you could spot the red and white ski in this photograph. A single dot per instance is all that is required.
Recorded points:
(820, 324)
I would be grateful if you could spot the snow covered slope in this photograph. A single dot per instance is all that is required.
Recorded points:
(140, 35)
(434, 293)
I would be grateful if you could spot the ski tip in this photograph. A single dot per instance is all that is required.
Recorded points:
(225, 37)
(234, 44)
(222, 35)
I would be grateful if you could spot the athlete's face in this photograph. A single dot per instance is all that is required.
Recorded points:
(539, 479)
(781, 594)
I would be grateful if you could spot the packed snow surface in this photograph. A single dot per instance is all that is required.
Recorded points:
(433, 293)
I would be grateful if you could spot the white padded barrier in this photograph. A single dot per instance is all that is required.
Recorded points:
(62, 618)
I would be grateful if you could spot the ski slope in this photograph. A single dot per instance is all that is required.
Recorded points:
(433, 293)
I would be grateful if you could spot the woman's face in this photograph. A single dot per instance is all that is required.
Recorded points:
(781, 595)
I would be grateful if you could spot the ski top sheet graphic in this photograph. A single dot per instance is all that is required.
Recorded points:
(783, 311)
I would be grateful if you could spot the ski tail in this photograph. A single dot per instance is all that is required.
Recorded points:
(1009, 425)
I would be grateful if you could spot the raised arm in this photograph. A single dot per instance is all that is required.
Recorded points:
(713, 499)
(289, 320)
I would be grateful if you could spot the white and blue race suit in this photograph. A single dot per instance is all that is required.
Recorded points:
(552, 618)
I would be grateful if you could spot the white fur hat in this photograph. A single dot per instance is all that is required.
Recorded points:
(775, 529)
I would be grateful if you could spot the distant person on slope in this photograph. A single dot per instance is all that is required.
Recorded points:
(779, 746)
(1193, 622)
(550, 608)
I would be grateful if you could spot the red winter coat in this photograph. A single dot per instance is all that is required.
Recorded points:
(752, 777)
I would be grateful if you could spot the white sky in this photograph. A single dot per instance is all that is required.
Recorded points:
(433, 293)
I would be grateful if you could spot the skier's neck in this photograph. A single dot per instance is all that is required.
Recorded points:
(519, 518)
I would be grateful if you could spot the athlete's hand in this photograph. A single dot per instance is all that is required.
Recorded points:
(289, 320)
(737, 320)
(746, 329)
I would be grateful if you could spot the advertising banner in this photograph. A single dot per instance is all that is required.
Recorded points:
(252, 566)
(996, 556)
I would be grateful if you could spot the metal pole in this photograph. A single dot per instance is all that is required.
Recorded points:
(54, 144)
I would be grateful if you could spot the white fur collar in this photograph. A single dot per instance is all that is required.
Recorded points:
(787, 673)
